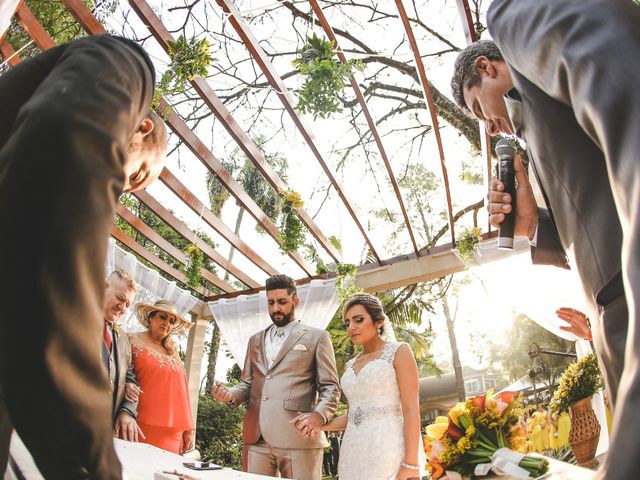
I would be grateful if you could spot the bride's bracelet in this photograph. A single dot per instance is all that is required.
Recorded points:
(409, 466)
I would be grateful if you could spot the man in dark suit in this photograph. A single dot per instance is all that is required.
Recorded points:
(289, 372)
(120, 289)
(563, 77)
(75, 132)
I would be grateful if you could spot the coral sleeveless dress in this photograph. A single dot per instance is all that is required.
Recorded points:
(164, 409)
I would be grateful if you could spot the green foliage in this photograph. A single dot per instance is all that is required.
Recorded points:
(189, 58)
(467, 245)
(169, 234)
(581, 379)
(196, 262)
(346, 282)
(219, 432)
(325, 77)
(292, 233)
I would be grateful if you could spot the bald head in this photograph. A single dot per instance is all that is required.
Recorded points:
(146, 153)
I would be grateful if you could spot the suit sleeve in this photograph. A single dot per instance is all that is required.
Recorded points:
(548, 249)
(586, 54)
(242, 390)
(327, 377)
(130, 407)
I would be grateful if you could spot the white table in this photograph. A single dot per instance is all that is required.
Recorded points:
(140, 461)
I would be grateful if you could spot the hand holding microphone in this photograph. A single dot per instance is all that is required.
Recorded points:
(525, 219)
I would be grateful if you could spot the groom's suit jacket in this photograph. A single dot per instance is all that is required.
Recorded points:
(302, 378)
(119, 367)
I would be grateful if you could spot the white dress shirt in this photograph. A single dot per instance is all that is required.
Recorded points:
(275, 338)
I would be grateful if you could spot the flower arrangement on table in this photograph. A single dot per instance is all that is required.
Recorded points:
(482, 434)
(581, 379)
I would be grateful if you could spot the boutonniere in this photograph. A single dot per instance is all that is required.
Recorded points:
(116, 329)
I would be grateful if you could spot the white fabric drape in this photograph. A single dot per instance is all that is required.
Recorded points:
(239, 318)
(7, 9)
(537, 291)
(151, 286)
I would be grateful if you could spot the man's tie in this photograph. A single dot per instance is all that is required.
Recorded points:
(279, 332)
(106, 335)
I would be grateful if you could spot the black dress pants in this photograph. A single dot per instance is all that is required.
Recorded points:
(66, 118)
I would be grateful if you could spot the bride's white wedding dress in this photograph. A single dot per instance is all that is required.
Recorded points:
(373, 442)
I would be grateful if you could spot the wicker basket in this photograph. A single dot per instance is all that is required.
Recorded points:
(584, 433)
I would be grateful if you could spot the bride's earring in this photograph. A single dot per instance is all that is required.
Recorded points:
(379, 330)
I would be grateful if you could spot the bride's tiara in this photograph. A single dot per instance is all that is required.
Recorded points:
(364, 297)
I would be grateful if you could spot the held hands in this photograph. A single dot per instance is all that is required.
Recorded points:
(499, 203)
(221, 393)
(308, 424)
(132, 392)
(127, 428)
(578, 322)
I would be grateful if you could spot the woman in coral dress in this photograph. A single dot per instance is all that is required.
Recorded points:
(164, 408)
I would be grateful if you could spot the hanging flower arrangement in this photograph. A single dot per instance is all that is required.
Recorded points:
(326, 77)
(291, 229)
(193, 268)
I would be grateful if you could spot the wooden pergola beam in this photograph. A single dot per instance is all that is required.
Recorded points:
(162, 35)
(151, 258)
(365, 110)
(284, 95)
(176, 253)
(84, 16)
(426, 90)
(8, 53)
(214, 222)
(33, 28)
(178, 225)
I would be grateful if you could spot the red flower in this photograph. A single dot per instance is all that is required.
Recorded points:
(454, 432)
(478, 402)
(507, 397)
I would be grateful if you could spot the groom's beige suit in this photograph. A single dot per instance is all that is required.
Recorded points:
(301, 378)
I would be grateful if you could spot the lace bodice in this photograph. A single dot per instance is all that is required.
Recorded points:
(373, 443)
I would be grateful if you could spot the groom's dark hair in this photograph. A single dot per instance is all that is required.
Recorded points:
(276, 282)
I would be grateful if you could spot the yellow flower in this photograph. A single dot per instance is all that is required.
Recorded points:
(116, 329)
(457, 410)
(442, 419)
(437, 430)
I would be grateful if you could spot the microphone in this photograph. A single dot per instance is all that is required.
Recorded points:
(506, 151)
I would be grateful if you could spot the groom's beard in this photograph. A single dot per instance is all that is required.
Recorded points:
(283, 320)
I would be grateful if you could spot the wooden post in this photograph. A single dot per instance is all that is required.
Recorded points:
(194, 355)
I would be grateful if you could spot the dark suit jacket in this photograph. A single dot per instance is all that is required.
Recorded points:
(303, 378)
(576, 65)
(124, 373)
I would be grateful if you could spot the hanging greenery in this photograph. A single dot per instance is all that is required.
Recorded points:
(189, 58)
(291, 228)
(467, 245)
(346, 282)
(325, 77)
(196, 262)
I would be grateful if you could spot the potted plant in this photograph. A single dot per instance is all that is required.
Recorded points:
(579, 382)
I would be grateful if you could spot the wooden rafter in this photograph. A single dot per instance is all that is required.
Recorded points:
(176, 253)
(33, 28)
(151, 258)
(365, 110)
(178, 225)
(214, 222)
(8, 53)
(83, 15)
(284, 95)
(432, 110)
(162, 35)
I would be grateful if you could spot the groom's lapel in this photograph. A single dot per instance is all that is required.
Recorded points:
(293, 338)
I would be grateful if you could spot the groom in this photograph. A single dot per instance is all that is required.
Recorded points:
(289, 368)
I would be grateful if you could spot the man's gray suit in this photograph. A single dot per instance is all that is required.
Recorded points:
(576, 65)
(120, 370)
(302, 378)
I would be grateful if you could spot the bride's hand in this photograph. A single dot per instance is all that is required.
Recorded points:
(404, 473)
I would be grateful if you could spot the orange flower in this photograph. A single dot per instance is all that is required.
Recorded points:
(478, 401)
(436, 469)
(507, 397)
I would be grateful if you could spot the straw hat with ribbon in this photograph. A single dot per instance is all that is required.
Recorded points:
(143, 310)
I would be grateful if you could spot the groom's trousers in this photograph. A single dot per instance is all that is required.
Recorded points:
(66, 119)
(299, 464)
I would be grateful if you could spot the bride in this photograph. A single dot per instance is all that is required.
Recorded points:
(382, 427)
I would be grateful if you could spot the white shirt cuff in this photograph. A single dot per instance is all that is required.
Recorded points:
(534, 240)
